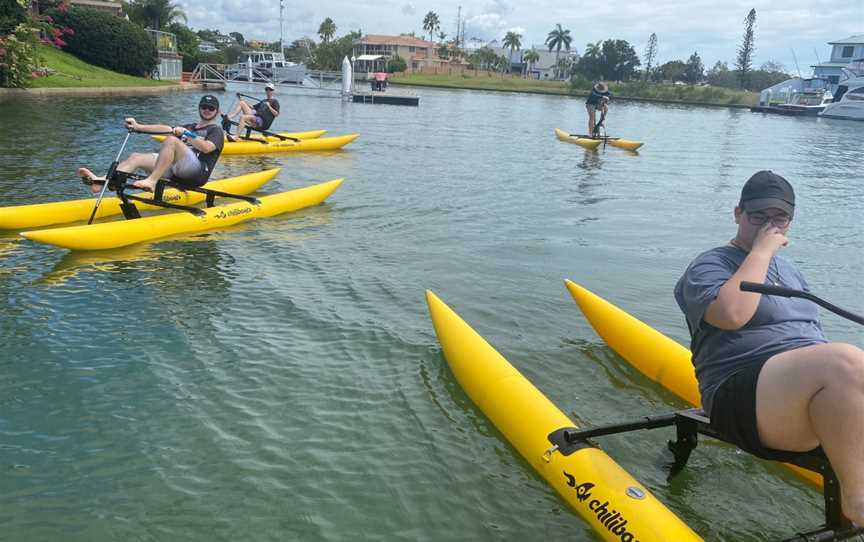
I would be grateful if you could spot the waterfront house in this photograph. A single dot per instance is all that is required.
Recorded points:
(170, 66)
(417, 53)
(102, 5)
(543, 69)
(842, 53)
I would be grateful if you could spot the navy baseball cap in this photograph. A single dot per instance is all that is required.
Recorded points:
(764, 190)
(209, 99)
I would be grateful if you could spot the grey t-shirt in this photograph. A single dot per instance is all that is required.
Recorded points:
(779, 324)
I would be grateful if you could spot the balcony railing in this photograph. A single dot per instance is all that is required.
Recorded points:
(165, 42)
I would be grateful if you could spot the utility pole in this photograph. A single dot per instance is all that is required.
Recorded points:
(281, 31)
(458, 24)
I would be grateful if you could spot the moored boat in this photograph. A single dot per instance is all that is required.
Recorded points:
(608, 498)
(127, 232)
(20, 217)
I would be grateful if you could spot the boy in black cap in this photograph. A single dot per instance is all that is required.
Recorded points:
(769, 379)
(188, 156)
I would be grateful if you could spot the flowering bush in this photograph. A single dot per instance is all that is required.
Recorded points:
(20, 33)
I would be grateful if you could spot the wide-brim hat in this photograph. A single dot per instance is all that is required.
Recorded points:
(600, 87)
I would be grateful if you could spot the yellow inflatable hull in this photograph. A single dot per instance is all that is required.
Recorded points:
(655, 355)
(615, 505)
(128, 232)
(588, 141)
(309, 134)
(304, 145)
(22, 217)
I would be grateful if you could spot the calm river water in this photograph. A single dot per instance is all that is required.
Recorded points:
(281, 380)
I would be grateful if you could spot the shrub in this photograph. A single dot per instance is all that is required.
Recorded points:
(19, 54)
(396, 64)
(108, 41)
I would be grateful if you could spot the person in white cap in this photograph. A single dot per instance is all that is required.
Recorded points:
(260, 116)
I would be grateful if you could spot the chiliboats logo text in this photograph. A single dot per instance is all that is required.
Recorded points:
(612, 520)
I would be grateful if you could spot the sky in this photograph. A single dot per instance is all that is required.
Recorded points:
(785, 31)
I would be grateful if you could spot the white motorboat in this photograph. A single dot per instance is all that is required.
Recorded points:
(849, 98)
(796, 96)
(266, 66)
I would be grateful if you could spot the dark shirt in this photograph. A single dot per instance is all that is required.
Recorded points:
(264, 112)
(779, 324)
(214, 134)
(595, 97)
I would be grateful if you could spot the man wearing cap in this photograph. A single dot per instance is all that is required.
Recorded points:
(188, 156)
(597, 100)
(769, 379)
(260, 116)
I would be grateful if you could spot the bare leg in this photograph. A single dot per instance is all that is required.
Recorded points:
(590, 122)
(245, 120)
(815, 395)
(171, 151)
(134, 161)
(243, 107)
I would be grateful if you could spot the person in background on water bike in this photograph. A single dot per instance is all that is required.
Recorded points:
(188, 156)
(770, 381)
(598, 100)
(259, 116)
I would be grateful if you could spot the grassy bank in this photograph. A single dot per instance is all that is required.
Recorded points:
(705, 95)
(482, 81)
(70, 72)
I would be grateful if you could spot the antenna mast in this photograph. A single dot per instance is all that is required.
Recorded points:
(458, 24)
(281, 32)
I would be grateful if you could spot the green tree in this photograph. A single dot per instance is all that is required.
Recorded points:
(328, 56)
(301, 51)
(650, 54)
(618, 60)
(673, 70)
(590, 66)
(327, 30)
(512, 41)
(156, 14)
(396, 64)
(431, 23)
(238, 37)
(557, 39)
(531, 56)
(694, 71)
(744, 61)
(187, 44)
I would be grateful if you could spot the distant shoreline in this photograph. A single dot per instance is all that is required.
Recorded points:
(7, 94)
(563, 92)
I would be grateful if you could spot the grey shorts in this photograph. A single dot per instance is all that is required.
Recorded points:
(591, 107)
(188, 168)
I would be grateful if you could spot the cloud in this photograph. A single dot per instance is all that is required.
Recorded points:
(409, 9)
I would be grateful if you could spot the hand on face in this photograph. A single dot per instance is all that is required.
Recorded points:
(769, 238)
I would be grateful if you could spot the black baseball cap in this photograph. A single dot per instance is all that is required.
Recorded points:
(764, 190)
(209, 99)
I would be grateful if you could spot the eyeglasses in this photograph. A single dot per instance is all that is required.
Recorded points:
(759, 219)
(205, 107)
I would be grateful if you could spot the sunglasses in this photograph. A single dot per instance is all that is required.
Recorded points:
(205, 107)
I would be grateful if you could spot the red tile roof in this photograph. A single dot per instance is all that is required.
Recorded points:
(407, 41)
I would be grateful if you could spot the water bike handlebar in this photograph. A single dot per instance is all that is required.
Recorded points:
(782, 291)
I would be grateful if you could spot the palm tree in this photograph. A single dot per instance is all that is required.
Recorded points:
(513, 41)
(431, 23)
(327, 30)
(531, 56)
(156, 13)
(558, 38)
(593, 50)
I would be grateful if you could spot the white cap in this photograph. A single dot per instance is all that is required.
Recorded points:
(270, 86)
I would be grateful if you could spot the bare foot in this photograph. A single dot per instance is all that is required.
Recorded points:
(145, 184)
(96, 181)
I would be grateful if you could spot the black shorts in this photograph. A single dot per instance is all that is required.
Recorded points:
(733, 414)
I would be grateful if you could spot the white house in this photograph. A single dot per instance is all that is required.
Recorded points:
(842, 53)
